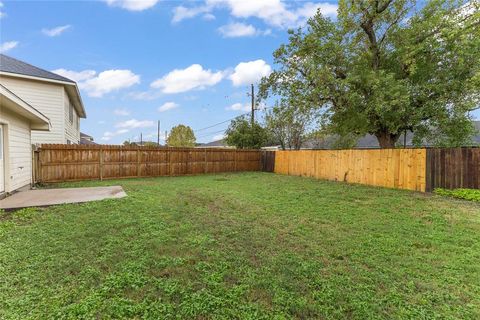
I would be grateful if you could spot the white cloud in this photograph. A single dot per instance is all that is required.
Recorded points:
(96, 85)
(250, 72)
(132, 5)
(121, 112)
(108, 81)
(55, 31)
(182, 80)
(181, 13)
(167, 106)
(218, 137)
(237, 29)
(76, 76)
(239, 107)
(9, 45)
(108, 135)
(208, 17)
(277, 13)
(134, 123)
(2, 14)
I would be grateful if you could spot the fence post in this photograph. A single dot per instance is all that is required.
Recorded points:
(101, 164)
(138, 161)
(235, 160)
(205, 167)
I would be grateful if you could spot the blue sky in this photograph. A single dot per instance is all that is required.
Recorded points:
(137, 62)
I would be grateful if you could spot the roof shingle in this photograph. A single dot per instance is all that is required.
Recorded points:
(11, 65)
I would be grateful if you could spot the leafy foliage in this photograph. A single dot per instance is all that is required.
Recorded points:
(242, 246)
(242, 134)
(384, 67)
(289, 126)
(181, 136)
(466, 194)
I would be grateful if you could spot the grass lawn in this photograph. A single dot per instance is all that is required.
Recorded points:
(249, 246)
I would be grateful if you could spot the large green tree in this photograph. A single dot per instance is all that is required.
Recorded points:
(386, 66)
(181, 136)
(243, 134)
(289, 125)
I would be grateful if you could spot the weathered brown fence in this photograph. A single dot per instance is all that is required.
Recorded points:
(55, 163)
(453, 168)
(268, 161)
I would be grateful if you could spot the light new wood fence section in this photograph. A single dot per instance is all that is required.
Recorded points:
(392, 168)
(55, 163)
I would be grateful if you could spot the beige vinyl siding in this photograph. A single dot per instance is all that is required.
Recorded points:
(19, 150)
(72, 129)
(48, 98)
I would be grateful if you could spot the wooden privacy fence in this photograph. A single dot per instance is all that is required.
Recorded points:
(412, 169)
(55, 163)
(394, 168)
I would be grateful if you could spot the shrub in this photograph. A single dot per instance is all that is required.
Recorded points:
(466, 194)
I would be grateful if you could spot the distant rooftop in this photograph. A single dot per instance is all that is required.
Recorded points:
(12, 65)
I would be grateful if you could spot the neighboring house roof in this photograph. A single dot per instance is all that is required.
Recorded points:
(12, 65)
(86, 139)
(86, 136)
(13, 102)
(15, 68)
(143, 143)
(216, 143)
(370, 141)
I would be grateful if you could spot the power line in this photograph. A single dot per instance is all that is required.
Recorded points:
(211, 133)
(225, 121)
(216, 124)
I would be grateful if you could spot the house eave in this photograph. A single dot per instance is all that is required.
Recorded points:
(10, 101)
(70, 87)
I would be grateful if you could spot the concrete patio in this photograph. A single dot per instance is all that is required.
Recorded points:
(48, 197)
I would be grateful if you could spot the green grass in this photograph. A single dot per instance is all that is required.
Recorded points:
(246, 246)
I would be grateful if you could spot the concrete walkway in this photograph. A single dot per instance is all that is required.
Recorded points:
(48, 197)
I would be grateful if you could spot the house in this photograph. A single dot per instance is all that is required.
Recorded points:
(222, 143)
(17, 120)
(56, 97)
(86, 139)
(370, 141)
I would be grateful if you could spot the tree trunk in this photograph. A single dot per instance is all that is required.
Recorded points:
(386, 140)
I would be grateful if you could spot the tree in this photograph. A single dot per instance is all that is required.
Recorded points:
(288, 125)
(181, 136)
(386, 66)
(242, 134)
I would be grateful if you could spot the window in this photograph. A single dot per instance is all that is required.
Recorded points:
(69, 142)
(70, 113)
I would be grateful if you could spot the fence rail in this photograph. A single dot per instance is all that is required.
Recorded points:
(56, 163)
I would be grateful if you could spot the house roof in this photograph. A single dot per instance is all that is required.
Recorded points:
(9, 100)
(370, 141)
(84, 135)
(216, 143)
(12, 65)
(15, 68)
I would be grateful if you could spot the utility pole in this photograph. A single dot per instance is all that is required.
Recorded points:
(252, 120)
(166, 132)
(158, 133)
(141, 138)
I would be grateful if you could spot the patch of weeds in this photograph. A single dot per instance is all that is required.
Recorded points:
(465, 194)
